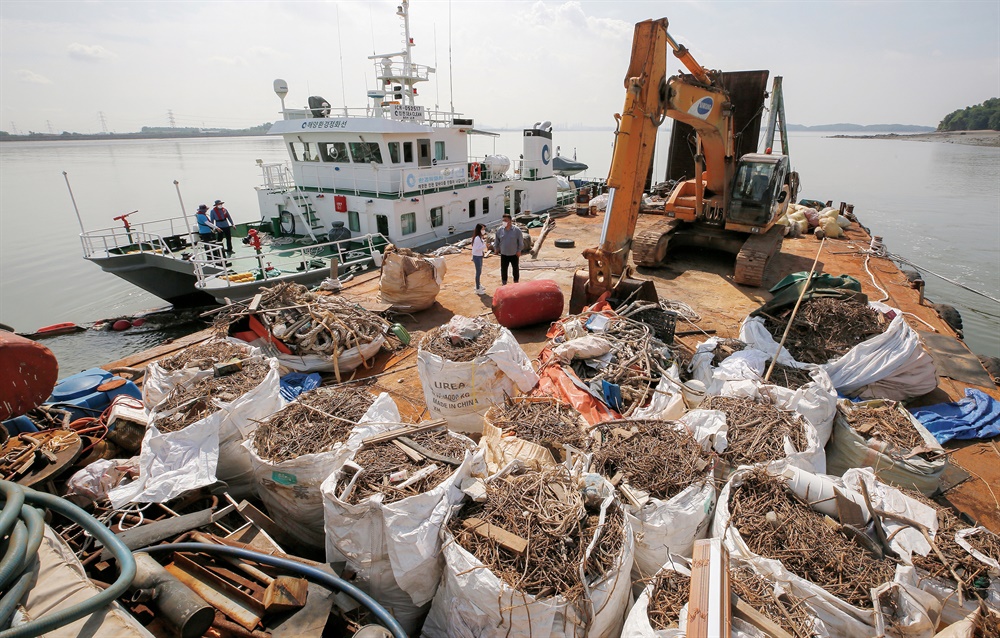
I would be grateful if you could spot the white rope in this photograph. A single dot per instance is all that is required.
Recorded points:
(683, 310)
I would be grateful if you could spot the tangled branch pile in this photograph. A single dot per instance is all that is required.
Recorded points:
(826, 328)
(546, 422)
(774, 524)
(787, 376)
(757, 431)
(787, 611)
(724, 348)
(383, 462)
(315, 423)
(203, 356)
(671, 591)
(546, 509)
(886, 424)
(195, 402)
(312, 324)
(438, 341)
(658, 457)
(975, 574)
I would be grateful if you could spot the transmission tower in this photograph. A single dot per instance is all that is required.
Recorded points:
(13, 129)
(48, 125)
(104, 122)
(170, 116)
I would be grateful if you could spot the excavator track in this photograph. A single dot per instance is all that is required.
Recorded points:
(649, 247)
(752, 260)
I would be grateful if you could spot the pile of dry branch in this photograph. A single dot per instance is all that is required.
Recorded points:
(203, 356)
(186, 405)
(315, 423)
(776, 525)
(724, 348)
(437, 341)
(787, 376)
(309, 323)
(546, 510)
(544, 421)
(657, 457)
(756, 431)
(888, 425)
(826, 328)
(392, 469)
(787, 611)
(671, 591)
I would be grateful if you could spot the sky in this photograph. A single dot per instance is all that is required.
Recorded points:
(88, 66)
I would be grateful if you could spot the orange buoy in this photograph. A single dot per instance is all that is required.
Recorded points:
(121, 324)
(28, 372)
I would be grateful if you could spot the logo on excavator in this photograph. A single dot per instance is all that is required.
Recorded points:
(702, 108)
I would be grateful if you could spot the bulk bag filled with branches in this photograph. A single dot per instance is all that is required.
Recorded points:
(410, 282)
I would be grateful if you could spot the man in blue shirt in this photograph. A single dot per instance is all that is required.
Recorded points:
(221, 218)
(206, 227)
(509, 242)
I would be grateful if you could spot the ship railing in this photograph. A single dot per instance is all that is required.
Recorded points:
(215, 270)
(384, 110)
(277, 176)
(163, 236)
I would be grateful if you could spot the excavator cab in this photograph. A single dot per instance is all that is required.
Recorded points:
(759, 193)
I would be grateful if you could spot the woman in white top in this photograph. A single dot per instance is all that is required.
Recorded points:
(478, 250)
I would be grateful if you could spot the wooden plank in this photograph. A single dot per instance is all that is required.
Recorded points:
(408, 451)
(709, 605)
(507, 540)
(744, 611)
(256, 302)
(410, 429)
(146, 356)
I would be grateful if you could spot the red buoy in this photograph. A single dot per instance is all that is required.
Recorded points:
(528, 303)
(121, 324)
(138, 322)
(28, 372)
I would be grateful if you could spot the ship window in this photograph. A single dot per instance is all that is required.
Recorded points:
(437, 216)
(407, 152)
(364, 152)
(486, 206)
(408, 223)
(439, 151)
(334, 152)
(354, 221)
(394, 152)
(472, 208)
(305, 152)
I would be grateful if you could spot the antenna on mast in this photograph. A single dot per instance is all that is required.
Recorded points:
(437, 85)
(340, 47)
(451, 77)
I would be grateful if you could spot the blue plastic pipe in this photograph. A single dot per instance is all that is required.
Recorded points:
(317, 576)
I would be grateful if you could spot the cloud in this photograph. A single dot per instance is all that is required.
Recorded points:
(89, 52)
(237, 61)
(31, 77)
(571, 14)
(266, 52)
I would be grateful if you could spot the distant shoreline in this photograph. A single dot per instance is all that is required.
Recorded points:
(966, 138)
(73, 137)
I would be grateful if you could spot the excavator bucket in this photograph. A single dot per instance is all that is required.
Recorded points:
(627, 289)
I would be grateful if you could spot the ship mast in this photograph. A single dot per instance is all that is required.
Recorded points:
(398, 80)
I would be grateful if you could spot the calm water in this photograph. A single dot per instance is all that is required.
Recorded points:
(937, 204)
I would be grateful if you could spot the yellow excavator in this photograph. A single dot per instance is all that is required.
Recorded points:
(732, 201)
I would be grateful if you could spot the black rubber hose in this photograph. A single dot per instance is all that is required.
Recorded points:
(333, 583)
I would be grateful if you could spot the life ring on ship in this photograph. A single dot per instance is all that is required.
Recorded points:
(475, 171)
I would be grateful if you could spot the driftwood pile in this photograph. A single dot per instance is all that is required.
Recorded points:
(657, 457)
(826, 328)
(787, 376)
(187, 405)
(671, 591)
(309, 323)
(407, 465)
(756, 430)
(546, 512)
(544, 421)
(314, 423)
(437, 341)
(787, 611)
(888, 425)
(775, 524)
(203, 356)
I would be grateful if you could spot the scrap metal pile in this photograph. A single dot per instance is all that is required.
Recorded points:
(826, 328)
(186, 405)
(317, 421)
(407, 465)
(310, 323)
(658, 457)
(547, 511)
(756, 430)
(775, 524)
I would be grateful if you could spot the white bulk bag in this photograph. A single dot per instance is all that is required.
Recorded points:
(158, 382)
(290, 489)
(171, 463)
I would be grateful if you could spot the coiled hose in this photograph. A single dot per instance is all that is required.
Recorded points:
(22, 525)
(308, 572)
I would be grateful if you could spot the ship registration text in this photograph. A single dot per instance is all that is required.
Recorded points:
(325, 124)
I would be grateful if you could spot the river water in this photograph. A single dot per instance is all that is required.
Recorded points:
(937, 204)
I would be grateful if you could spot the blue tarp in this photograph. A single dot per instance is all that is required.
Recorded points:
(977, 416)
(295, 383)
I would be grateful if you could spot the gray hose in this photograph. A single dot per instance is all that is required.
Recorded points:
(14, 510)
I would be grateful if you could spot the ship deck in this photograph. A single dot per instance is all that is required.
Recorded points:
(703, 280)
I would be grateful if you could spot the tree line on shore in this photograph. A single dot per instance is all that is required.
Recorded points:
(973, 118)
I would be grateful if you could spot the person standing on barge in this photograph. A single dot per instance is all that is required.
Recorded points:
(509, 242)
(223, 220)
(206, 228)
(478, 252)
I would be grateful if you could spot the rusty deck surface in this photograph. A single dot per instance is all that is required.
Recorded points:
(701, 279)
